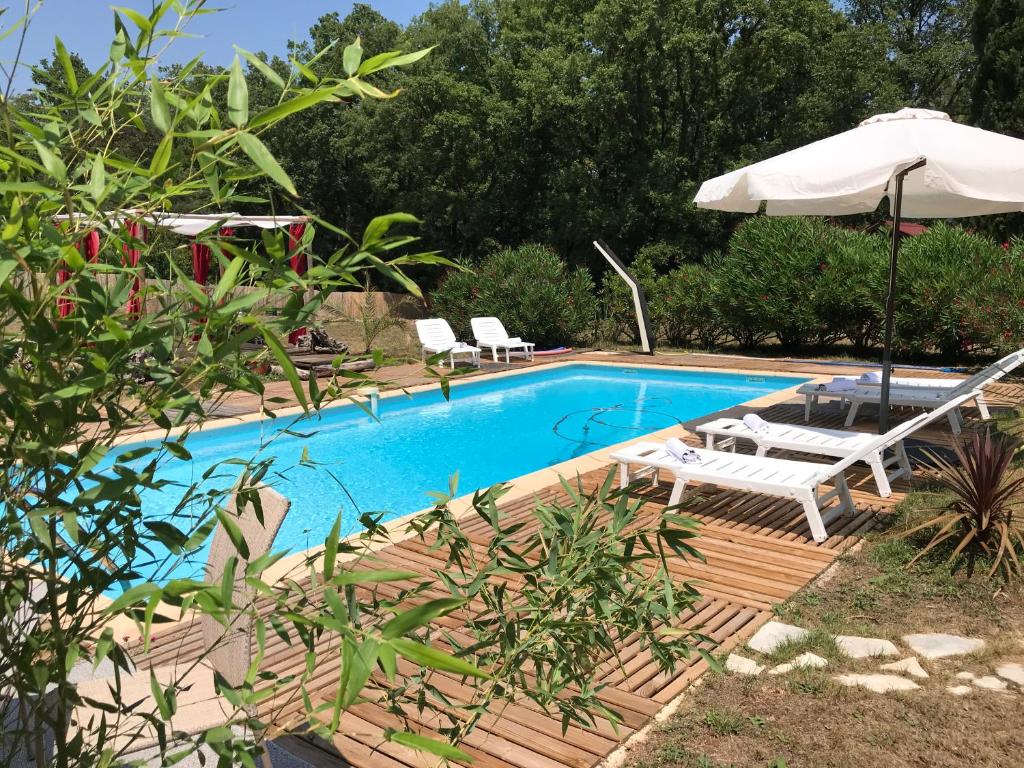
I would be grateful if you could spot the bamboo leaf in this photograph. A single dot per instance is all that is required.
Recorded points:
(433, 746)
(238, 95)
(158, 108)
(351, 57)
(260, 155)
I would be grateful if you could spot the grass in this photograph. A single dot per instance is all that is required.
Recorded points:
(806, 718)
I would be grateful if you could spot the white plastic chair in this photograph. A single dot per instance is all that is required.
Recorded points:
(437, 337)
(491, 334)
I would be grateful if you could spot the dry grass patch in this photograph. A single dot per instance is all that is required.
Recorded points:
(805, 718)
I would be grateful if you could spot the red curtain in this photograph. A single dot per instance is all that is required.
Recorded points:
(200, 261)
(299, 263)
(130, 257)
(64, 304)
(89, 247)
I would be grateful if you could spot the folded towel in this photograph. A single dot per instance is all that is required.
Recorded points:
(838, 385)
(755, 423)
(513, 340)
(872, 377)
(677, 449)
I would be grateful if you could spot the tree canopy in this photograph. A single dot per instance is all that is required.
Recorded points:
(557, 121)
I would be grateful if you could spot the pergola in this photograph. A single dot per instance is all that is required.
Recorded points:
(191, 225)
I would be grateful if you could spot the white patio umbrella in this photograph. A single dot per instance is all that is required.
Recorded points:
(926, 165)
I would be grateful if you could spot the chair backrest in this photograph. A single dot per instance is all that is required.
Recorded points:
(902, 431)
(488, 329)
(435, 332)
(992, 372)
(230, 648)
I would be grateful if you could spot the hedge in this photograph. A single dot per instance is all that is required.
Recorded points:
(801, 281)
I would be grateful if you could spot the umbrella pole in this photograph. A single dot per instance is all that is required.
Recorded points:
(890, 300)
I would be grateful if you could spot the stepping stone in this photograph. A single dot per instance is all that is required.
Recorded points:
(1012, 671)
(878, 683)
(741, 665)
(991, 683)
(774, 634)
(965, 676)
(908, 666)
(958, 690)
(937, 645)
(805, 660)
(865, 647)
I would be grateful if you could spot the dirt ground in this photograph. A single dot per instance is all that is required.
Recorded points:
(805, 718)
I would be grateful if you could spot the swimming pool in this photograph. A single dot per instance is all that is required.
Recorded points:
(491, 430)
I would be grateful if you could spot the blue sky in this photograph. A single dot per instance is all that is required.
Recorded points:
(86, 26)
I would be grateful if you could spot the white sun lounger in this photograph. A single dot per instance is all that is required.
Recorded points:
(835, 443)
(920, 394)
(437, 337)
(491, 334)
(784, 478)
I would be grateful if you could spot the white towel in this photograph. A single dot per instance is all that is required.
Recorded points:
(513, 340)
(872, 377)
(677, 449)
(755, 423)
(838, 385)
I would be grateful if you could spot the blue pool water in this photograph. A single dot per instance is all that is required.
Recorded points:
(491, 430)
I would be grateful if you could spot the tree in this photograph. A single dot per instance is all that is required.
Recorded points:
(930, 55)
(998, 102)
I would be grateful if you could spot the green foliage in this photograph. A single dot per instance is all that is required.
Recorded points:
(948, 280)
(998, 95)
(983, 521)
(530, 289)
(584, 568)
(767, 278)
(801, 281)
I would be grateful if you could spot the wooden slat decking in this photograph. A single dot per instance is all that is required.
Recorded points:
(758, 553)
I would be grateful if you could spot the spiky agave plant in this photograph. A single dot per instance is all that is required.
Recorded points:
(984, 517)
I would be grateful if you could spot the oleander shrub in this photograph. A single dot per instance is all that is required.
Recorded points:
(994, 305)
(797, 281)
(947, 280)
(766, 279)
(534, 293)
(685, 306)
(849, 291)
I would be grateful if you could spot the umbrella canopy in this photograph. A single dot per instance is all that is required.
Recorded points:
(967, 172)
(925, 164)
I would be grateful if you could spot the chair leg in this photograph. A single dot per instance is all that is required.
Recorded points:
(623, 474)
(955, 420)
(678, 491)
(852, 415)
(809, 400)
(881, 477)
(762, 450)
(982, 406)
(813, 515)
(902, 459)
(843, 490)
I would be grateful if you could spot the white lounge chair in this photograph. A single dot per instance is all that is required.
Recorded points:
(437, 337)
(783, 478)
(919, 394)
(491, 334)
(832, 442)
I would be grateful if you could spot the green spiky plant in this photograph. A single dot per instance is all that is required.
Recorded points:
(983, 520)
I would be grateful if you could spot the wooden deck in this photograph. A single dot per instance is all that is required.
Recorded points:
(758, 553)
